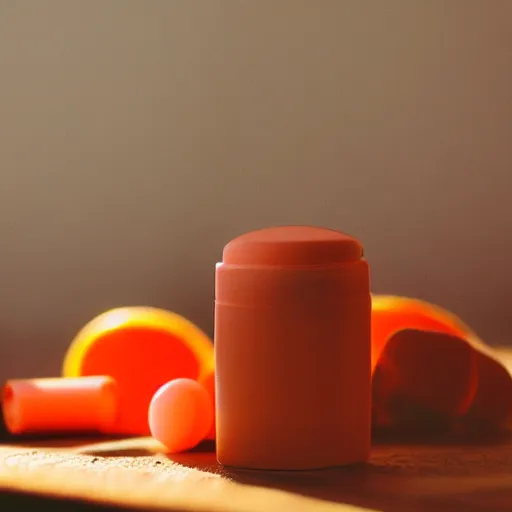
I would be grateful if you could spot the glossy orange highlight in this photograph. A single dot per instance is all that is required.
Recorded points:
(60, 405)
(292, 350)
(391, 314)
(181, 415)
(142, 348)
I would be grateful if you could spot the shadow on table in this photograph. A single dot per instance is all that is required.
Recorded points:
(414, 472)
(406, 472)
(355, 485)
(17, 501)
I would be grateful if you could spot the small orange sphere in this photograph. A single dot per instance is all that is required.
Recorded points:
(180, 414)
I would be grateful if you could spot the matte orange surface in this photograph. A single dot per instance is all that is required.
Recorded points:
(491, 408)
(292, 350)
(208, 382)
(181, 414)
(423, 379)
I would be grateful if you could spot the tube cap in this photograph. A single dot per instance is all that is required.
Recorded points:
(83, 404)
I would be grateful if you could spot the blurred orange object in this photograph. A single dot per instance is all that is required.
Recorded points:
(391, 314)
(142, 348)
(401, 395)
(208, 382)
(60, 405)
(491, 408)
(181, 414)
(423, 380)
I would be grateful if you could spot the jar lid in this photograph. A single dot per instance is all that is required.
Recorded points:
(292, 246)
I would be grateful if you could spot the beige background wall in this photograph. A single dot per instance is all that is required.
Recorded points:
(136, 137)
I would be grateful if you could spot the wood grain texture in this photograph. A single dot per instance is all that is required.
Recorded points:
(137, 473)
(412, 475)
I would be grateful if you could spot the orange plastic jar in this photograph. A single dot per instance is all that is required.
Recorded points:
(292, 350)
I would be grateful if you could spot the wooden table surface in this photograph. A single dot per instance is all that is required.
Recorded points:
(410, 475)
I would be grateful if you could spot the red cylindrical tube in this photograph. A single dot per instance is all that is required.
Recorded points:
(292, 350)
(60, 405)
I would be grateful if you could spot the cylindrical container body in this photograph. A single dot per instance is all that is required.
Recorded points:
(292, 350)
(60, 405)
